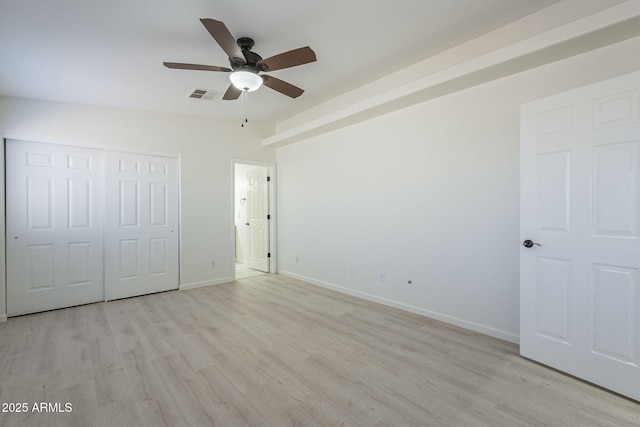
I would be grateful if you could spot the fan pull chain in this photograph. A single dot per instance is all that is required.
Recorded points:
(245, 102)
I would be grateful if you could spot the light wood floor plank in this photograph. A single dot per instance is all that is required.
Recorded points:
(274, 351)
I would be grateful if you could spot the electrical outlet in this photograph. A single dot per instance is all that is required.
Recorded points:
(297, 259)
(213, 263)
(381, 276)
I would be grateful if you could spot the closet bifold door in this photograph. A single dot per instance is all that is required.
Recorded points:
(54, 226)
(141, 224)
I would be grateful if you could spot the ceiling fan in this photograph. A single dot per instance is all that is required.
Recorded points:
(246, 65)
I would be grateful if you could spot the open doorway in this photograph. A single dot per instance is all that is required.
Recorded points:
(253, 218)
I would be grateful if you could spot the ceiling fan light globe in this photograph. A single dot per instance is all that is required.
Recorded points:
(245, 80)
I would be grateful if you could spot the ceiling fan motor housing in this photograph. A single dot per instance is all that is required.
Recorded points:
(251, 58)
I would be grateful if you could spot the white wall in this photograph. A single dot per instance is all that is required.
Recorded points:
(430, 194)
(205, 145)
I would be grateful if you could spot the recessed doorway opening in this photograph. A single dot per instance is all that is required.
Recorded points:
(254, 222)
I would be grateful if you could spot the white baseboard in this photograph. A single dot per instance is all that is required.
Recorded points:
(194, 285)
(466, 324)
(3, 318)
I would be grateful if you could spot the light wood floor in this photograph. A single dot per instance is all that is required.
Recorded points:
(244, 272)
(272, 351)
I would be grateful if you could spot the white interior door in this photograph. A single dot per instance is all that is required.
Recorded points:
(257, 217)
(141, 227)
(54, 226)
(580, 191)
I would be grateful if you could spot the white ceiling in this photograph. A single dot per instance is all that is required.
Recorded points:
(110, 53)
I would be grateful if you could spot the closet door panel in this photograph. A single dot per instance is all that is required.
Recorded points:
(141, 224)
(54, 226)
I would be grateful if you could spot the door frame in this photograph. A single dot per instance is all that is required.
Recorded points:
(75, 143)
(271, 167)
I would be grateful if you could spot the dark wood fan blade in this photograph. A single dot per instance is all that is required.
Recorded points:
(223, 36)
(282, 86)
(180, 66)
(232, 93)
(300, 56)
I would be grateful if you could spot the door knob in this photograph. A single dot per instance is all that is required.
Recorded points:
(529, 243)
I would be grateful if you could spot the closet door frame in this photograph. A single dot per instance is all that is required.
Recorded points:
(80, 144)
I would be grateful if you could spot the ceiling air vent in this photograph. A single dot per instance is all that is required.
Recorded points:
(205, 94)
